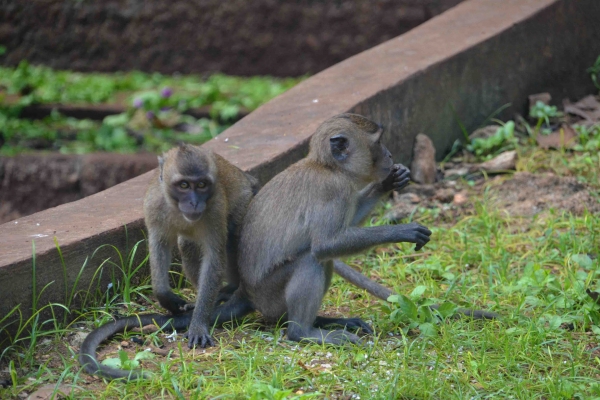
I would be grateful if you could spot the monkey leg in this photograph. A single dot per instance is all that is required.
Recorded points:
(160, 261)
(303, 297)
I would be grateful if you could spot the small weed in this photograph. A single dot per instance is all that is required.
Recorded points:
(123, 361)
(594, 72)
(504, 139)
(542, 112)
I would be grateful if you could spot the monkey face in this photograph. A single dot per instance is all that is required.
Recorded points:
(191, 194)
(382, 160)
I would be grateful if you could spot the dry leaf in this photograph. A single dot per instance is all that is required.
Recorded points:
(564, 137)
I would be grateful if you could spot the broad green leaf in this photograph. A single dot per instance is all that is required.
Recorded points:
(555, 322)
(394, 298)
(447, 309)
(143, 355)
(112, 362)
(408, 307)
(418, 292)
(428, 329)
(583, 260)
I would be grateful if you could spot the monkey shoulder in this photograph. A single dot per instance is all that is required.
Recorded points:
(154, 199)
(237, 186)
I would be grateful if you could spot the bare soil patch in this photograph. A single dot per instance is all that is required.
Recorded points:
(527, 194)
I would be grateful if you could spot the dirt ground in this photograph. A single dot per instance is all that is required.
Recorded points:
(521, 194)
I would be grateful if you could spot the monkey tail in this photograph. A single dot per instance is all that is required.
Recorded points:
(87, 352)
(361, 281)
(381, 292)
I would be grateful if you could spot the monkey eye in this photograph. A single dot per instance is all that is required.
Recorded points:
(184, 185)
(201, 185)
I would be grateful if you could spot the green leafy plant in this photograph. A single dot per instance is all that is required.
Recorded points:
(543, 113)
(594, 72)
(589, 138)
(504, 139)
(124, 362)
(405, 311)
(155, 119)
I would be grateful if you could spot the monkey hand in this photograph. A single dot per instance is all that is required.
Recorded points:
(199, 335)
(397, 179)
(414, 233)
(173, 303)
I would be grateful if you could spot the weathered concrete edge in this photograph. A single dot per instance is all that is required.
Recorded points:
(406, 83)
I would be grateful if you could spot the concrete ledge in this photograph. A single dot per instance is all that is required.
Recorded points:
(476, 57)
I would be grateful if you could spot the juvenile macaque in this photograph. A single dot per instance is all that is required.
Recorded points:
(307, 216)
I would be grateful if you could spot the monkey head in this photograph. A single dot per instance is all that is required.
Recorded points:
(352, 143)
(187, 179)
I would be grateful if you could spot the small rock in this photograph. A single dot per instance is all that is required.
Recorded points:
(400, 211)
(504, 162)
(460, 199)
(423, 191)
(125, 344)
(543, 97)
(422, 168)
(77, 338)
(444, 195)
(406, 198)
(455, 173)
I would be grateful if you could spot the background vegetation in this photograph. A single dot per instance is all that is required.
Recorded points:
(155, 106)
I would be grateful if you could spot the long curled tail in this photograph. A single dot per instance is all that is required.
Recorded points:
(358, 279)
(87, 353)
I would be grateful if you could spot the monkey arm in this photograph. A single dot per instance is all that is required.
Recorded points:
(397, 179)
(354, 240)
(209, 283)
(160, 261)
(367, 198)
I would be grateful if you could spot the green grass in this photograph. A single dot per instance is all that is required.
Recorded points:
(532, 271)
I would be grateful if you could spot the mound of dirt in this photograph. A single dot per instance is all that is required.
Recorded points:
(527, 194)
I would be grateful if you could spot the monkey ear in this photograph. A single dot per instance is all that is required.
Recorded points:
(339, 147)
(161, 162)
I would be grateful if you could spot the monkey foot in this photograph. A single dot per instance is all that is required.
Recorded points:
(199, 336)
